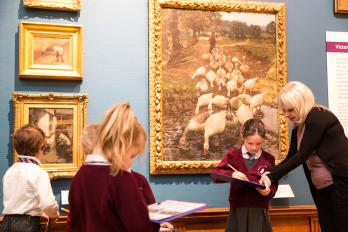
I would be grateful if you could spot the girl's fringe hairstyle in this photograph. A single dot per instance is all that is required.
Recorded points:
(254, 126)
(119, 132)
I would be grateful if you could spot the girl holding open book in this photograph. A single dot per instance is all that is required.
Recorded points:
(104, 194)
(248, 206)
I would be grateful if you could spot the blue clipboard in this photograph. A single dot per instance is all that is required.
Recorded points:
(249, 184)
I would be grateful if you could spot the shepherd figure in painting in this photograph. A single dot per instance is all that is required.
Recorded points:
(212, 41)
(59, 53)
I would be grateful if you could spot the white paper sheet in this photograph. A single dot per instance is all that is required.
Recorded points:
(284, 191)
(64, 197)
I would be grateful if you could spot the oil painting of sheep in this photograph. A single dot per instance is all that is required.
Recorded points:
(219, 69)
(51, 51)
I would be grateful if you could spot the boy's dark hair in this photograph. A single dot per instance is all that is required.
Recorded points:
(28, 140)
(254, 126)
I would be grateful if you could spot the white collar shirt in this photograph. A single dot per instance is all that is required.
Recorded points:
(27, 190)
(246, 155)
(96, 159)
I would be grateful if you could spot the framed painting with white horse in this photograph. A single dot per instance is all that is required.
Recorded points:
(61, 117)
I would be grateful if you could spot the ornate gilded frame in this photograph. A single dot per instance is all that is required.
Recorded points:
(52, 102)
(341, 6)
(50, 51)
(68, 5)
(157, 163)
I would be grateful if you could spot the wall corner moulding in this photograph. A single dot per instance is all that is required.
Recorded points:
(50, 51)
(68, 5)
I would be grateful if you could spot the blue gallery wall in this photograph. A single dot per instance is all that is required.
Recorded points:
(116, 69)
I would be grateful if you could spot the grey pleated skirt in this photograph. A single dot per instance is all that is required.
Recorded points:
(248, 220)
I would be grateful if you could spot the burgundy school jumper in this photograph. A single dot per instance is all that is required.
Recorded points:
(101, 202)
(144, 187)
(242, 196)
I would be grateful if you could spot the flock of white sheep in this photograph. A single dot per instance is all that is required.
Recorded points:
(228, 96)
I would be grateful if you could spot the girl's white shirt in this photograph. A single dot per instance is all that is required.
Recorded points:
(96, 159)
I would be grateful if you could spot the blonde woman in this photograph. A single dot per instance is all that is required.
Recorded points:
(319, 143)
(104, 195)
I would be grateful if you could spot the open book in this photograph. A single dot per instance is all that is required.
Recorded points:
(250, 184)
(168, 210)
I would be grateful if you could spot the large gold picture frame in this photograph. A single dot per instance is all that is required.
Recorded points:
(68, 5)
(50, 51)
(212, 65)
(61, 117)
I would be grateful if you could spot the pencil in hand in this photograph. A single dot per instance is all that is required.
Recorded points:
(229, 165)
(65, 210)
(237, 174)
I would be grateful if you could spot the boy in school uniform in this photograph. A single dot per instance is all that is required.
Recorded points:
(27, 191)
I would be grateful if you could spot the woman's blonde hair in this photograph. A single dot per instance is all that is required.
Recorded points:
(119, 132)
(89, 138)
(297, 96)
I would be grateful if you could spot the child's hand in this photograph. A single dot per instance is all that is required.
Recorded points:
(239, 175)
(264, 192)
(166, 227)
(53, 220)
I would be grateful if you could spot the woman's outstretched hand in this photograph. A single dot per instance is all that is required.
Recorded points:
(166, 227)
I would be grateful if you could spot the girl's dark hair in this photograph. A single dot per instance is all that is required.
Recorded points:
(254, 126)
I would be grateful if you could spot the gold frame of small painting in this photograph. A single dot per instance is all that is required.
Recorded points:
(50, 51)
(68, 5)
